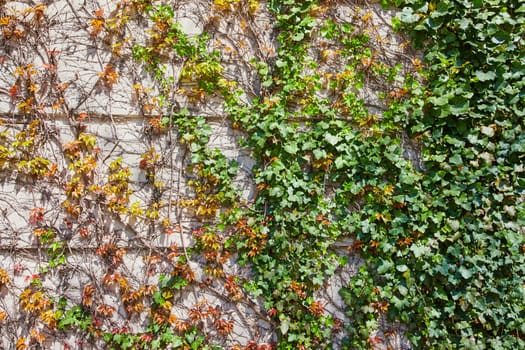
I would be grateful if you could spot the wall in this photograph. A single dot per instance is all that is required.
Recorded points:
(94, 183)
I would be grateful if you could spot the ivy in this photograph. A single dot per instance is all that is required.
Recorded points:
(298, 167)
(441, 238)
(456, 278)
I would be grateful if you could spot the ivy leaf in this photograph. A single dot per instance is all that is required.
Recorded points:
(332, 139)
(407, 179)
(408, 16)
(456, 159)
(319, 153)
(155, 344)
(291, 148)
(384, 267)
(318, 280)
(402, 268)
(267, 83)
(487, 130)
(465, 273)
(419, 250)
(280, 63)
(485, 76)
(276, 191)
(340, 162)
(402, 290)
(298, 37)
(487, 157)
(439, 100)
(284, 326)
(176, 342)
(157, 298)
(459, 106)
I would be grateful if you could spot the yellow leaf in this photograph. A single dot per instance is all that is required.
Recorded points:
(5, 21)
(21, 344)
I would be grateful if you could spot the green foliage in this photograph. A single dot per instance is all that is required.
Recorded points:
(458, 281)
(443, 241)
(75, 317)
(298, 167)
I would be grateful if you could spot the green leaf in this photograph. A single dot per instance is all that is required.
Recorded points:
(319, 153)
(267, 83)
(280, 63)
(465, 273)
(276, 191)
(459, 106)
(284, 326)
(439, 100)
(408, 16)
(291, 147)
(340, 162)
(384, 267)
(487, 131)
(485, 76)
(402, 290)
(332, 139)
(402, 268)
(157, 298)
(419, 250)
(298, 37)
(456, 159)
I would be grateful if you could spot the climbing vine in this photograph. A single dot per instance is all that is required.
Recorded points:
(447, 256)
(405, 149)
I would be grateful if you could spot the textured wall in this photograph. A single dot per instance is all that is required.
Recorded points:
(57, 68)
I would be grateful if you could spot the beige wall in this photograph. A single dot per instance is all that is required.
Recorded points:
(68, 61)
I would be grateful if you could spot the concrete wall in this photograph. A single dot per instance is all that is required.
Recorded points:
(52, 49)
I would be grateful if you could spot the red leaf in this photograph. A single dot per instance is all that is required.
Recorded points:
(13, 91)
(373, 340)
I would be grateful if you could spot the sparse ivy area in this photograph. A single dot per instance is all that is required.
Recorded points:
(406, 142)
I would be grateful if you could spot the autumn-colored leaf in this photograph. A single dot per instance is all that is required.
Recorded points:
(99, 13)
(36, 216)
(4, 277)
(316, 308)
(5, 21)
(13, 91)
(109, 75)
(81, 116)
(87, 295)
(49, 67)
(21, 344)
(374, 340)
(105, 310)
(405, 241)
(224, 327)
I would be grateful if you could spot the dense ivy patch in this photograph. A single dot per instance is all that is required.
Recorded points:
(442, 238)
(450, 262)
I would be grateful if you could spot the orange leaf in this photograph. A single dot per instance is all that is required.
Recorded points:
(4, 21)
(21, 344)
(13, 91)
(81, 116)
